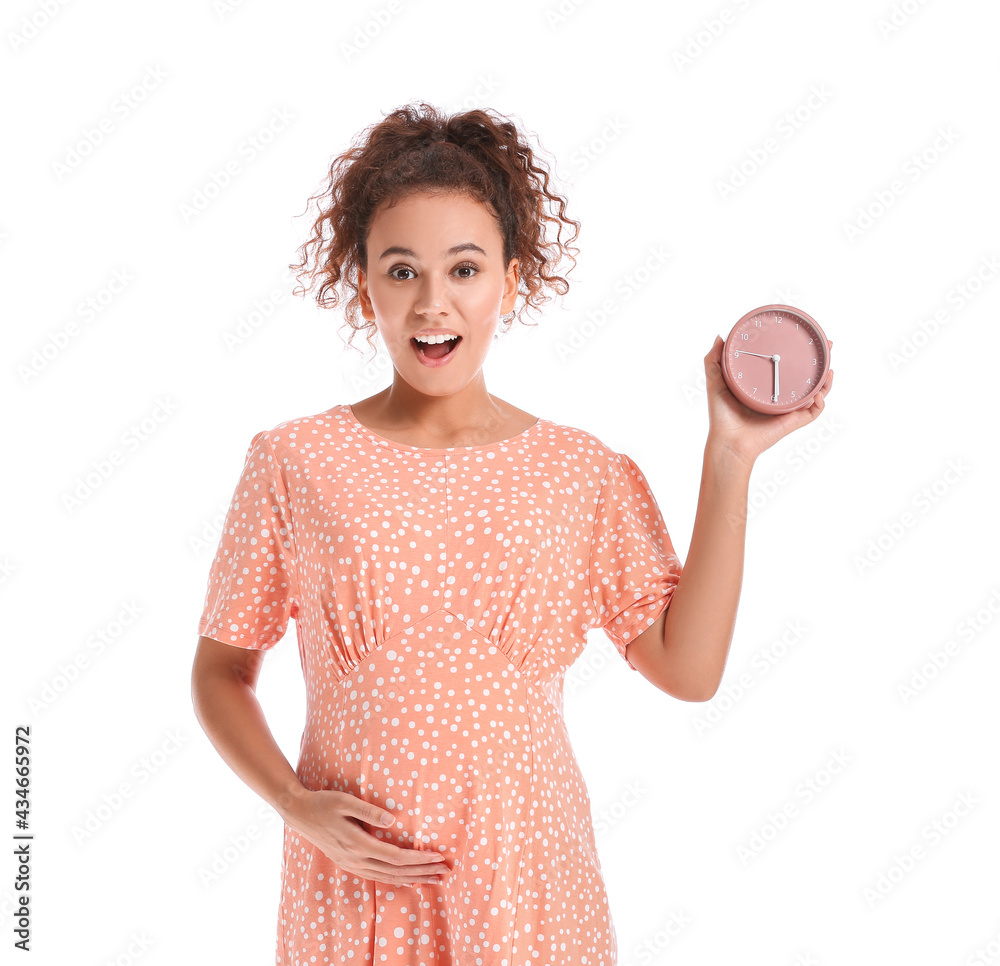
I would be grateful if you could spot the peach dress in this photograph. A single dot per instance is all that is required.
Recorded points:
(440, 595)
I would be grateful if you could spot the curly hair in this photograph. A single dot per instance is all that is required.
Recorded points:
(479, 153)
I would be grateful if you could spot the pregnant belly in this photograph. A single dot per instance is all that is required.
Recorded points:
(433, 726)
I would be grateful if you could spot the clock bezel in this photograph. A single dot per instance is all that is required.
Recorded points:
(775, 408)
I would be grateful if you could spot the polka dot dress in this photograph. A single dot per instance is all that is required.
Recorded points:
(440, 595)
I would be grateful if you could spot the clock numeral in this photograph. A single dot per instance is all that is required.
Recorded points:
(814, 362)
(793, 394)
(739, 375)
(809, 382)
(745, 336)
(756, 323)
(754, 393)
(778, 319)
(810, 342)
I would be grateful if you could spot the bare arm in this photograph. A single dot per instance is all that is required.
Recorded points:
(684, 651)
(223, 683)
(223, 690)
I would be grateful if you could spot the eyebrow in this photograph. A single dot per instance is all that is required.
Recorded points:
(454, 250)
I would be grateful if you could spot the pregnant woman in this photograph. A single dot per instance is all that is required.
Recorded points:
(443, 554)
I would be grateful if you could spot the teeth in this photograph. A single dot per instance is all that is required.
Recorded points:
(434, 339)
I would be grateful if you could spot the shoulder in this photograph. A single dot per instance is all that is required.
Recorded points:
(304, 432)
(582, 446)
(613, 471)
(289, 440)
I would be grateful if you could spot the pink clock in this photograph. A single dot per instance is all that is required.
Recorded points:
(775, 359)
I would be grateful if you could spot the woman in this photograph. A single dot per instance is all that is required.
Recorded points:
(444, 553)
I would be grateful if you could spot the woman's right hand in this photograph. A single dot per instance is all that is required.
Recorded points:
(331, 820)
(223, 679)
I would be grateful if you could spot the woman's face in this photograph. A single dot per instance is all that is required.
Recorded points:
(435, 263)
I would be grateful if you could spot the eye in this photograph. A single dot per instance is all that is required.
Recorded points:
(464, 267)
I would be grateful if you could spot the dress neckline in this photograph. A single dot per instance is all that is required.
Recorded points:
(365, 430)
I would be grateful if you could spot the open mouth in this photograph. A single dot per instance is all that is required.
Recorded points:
(437, 350)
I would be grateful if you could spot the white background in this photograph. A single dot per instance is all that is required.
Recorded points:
(873, 530)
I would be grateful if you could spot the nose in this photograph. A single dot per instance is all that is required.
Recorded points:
(432, 296)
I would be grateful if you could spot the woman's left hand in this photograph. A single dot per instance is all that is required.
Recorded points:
(745, 433)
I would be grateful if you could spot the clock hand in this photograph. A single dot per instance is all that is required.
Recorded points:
(776, 359)
(743, 352)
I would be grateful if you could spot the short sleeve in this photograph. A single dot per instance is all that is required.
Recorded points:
(633, 567)
(252, 589)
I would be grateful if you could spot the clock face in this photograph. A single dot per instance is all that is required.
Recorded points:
(775, 359)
